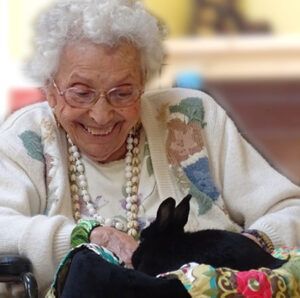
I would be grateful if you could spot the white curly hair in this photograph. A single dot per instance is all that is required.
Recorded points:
(100, 21)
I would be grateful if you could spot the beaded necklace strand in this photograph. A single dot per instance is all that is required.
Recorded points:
(79, 186)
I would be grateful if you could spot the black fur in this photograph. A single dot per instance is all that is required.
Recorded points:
(165, 246)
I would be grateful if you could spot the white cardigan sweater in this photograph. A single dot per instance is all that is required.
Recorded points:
(240, 189)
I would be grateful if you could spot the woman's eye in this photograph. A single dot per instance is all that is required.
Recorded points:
(124, 94)
(83, 93)
(80, 95)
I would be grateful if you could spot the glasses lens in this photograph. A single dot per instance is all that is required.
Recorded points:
(123, 95)
(80, 96)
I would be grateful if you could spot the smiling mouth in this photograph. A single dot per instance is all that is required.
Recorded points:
(99, 132)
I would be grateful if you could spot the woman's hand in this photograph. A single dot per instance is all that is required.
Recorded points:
(118, 242)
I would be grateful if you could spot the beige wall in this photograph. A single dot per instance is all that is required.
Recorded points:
(21, 14)
(175, 13)
(282, 14)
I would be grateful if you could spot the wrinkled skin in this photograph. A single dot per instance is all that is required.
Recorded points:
(118, 242)
(100, 131)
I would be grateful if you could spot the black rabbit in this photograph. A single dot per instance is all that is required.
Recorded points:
(165, 246)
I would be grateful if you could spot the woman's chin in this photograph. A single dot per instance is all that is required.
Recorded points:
(107, 155)
(102, 149)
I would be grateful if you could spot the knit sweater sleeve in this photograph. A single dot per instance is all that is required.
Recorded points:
(25, 226)
(255, 194)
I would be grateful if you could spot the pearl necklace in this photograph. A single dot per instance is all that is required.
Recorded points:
(79, 186)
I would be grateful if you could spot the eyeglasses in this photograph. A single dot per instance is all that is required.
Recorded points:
(118, 97)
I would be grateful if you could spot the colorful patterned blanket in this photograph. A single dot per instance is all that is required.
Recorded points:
(203, 281)
(206, 281)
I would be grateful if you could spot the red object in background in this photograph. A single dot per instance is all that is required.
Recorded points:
(21, 97)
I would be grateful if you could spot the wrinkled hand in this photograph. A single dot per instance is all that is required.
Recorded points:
(118, 242)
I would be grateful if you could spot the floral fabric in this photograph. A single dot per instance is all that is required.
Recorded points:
(207, 281)
(63, 268)
(204, 281)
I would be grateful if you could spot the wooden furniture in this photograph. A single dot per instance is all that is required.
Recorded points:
(257, 80)
(268, 115)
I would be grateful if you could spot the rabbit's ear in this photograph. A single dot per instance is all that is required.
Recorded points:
(165, 213)
(181, 212)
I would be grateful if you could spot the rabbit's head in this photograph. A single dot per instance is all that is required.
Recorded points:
(156, 241)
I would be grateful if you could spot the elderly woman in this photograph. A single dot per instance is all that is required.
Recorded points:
(102, 149)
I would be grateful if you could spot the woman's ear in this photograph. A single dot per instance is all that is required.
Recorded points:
(50, 94)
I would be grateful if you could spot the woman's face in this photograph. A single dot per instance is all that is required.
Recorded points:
(99, 131)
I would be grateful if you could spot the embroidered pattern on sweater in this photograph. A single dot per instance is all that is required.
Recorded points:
(49, 164)
(186, 150)
(52, 162)
(48, 131)
(199, 174)
(183, 140)
(49, 168)
(191, 107)
(50, 171)
(33, 144)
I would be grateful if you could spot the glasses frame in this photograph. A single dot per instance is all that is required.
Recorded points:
(102, 94)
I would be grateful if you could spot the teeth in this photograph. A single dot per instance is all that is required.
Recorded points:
(99, 132)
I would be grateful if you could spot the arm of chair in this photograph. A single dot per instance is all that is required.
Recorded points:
(14, 268)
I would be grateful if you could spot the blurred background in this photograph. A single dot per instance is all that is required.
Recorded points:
(246, 53)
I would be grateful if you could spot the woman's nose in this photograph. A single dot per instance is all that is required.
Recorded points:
(102, 112)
